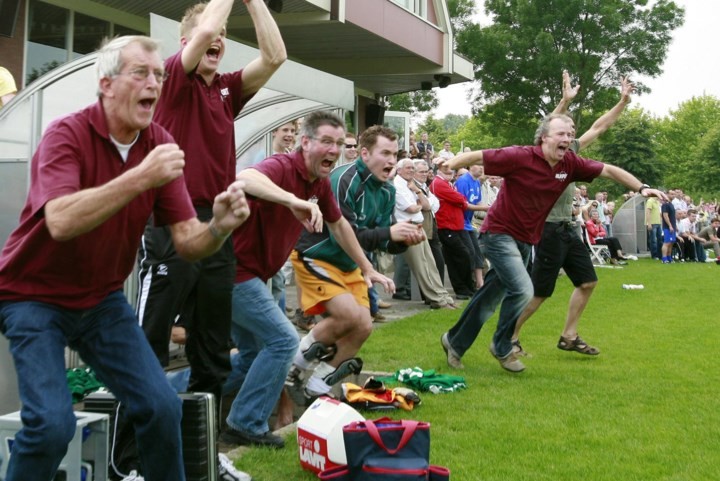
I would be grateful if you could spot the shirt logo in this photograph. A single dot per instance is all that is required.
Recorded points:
(162, 270)
(224, 93)
(561, 176)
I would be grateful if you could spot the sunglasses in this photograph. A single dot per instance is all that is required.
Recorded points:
(351, 146)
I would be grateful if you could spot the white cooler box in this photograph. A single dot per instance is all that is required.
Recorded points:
(320, 436)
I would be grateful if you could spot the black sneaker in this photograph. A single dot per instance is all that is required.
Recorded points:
(233, 436)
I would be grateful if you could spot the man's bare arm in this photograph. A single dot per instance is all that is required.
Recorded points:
(271, 46)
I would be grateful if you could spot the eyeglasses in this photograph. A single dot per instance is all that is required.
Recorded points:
(142, 73)
(327, 142)
(351, 146)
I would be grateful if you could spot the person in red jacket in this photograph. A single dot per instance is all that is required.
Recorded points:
(451, 226)
(598, 235)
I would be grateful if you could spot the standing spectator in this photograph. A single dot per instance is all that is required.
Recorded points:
(96, 177)
(199, 108)
(425, 147)
(451, 230)
(534, 177)
(446, 153)
(669, 227)
(351, 148)
(584, 199)
(335, 274)
(653, 221)
(470, 187)
(422, 171)
(410, 201)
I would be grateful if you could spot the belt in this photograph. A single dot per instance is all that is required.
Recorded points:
(564, 224)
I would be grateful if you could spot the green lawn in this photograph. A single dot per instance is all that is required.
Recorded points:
(646, 408)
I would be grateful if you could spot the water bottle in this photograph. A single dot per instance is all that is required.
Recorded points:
(633, 286)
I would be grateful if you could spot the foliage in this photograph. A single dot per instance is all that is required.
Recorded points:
(644, 409)
(460, 12)
(437, 133)
(37, 73)
(476, 134)
(679, 139)
(704, 177)
(519, 58)
(629, 144)
(413, 102)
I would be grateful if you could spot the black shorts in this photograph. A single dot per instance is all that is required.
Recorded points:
(560, 246)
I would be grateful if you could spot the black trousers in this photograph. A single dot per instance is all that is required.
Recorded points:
(198, 294)
(458, 260)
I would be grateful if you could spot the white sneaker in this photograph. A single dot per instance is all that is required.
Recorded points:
(133, 476)
(228, 472)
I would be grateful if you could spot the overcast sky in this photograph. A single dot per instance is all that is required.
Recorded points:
(691, 69)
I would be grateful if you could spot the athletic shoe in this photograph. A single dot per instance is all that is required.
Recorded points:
(228, 472)
(384, 304)
(377, 317)
(133, 476)
(509, 362)
(453, 359)
(268, 439)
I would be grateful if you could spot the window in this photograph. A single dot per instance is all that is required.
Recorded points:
(47, 46)
(57, 35)
(418, 7)
(88, 32)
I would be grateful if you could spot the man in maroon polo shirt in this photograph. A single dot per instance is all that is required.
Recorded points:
(534, 177)
(96, 177)
(198, 108)
(288, 192)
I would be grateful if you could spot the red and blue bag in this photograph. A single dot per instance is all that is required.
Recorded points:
(387, 450)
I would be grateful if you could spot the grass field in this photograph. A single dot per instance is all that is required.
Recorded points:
(646, 408)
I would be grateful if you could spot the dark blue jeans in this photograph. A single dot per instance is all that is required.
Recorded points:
(508, 282)
(109, 339)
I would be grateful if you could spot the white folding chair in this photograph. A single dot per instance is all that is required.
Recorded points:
(598, 253)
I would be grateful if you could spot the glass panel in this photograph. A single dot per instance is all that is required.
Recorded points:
(47, 39)
(123, 30)
(89, 33)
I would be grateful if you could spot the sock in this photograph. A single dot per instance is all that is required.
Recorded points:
(315, 384)
(305, 343)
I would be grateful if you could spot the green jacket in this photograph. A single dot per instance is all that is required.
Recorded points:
(368, 204)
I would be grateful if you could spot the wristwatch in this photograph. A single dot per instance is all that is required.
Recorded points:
(643, 187)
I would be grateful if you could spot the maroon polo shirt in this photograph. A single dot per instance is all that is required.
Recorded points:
(264, 242)
(450, 215)
(76, 153)
(201, 119)
(530, 188)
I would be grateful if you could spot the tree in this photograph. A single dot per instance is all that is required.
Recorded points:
(630, 145)
(680, 136)
(435, 130)
(413, 102)
(704, 178)
(519, 58)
